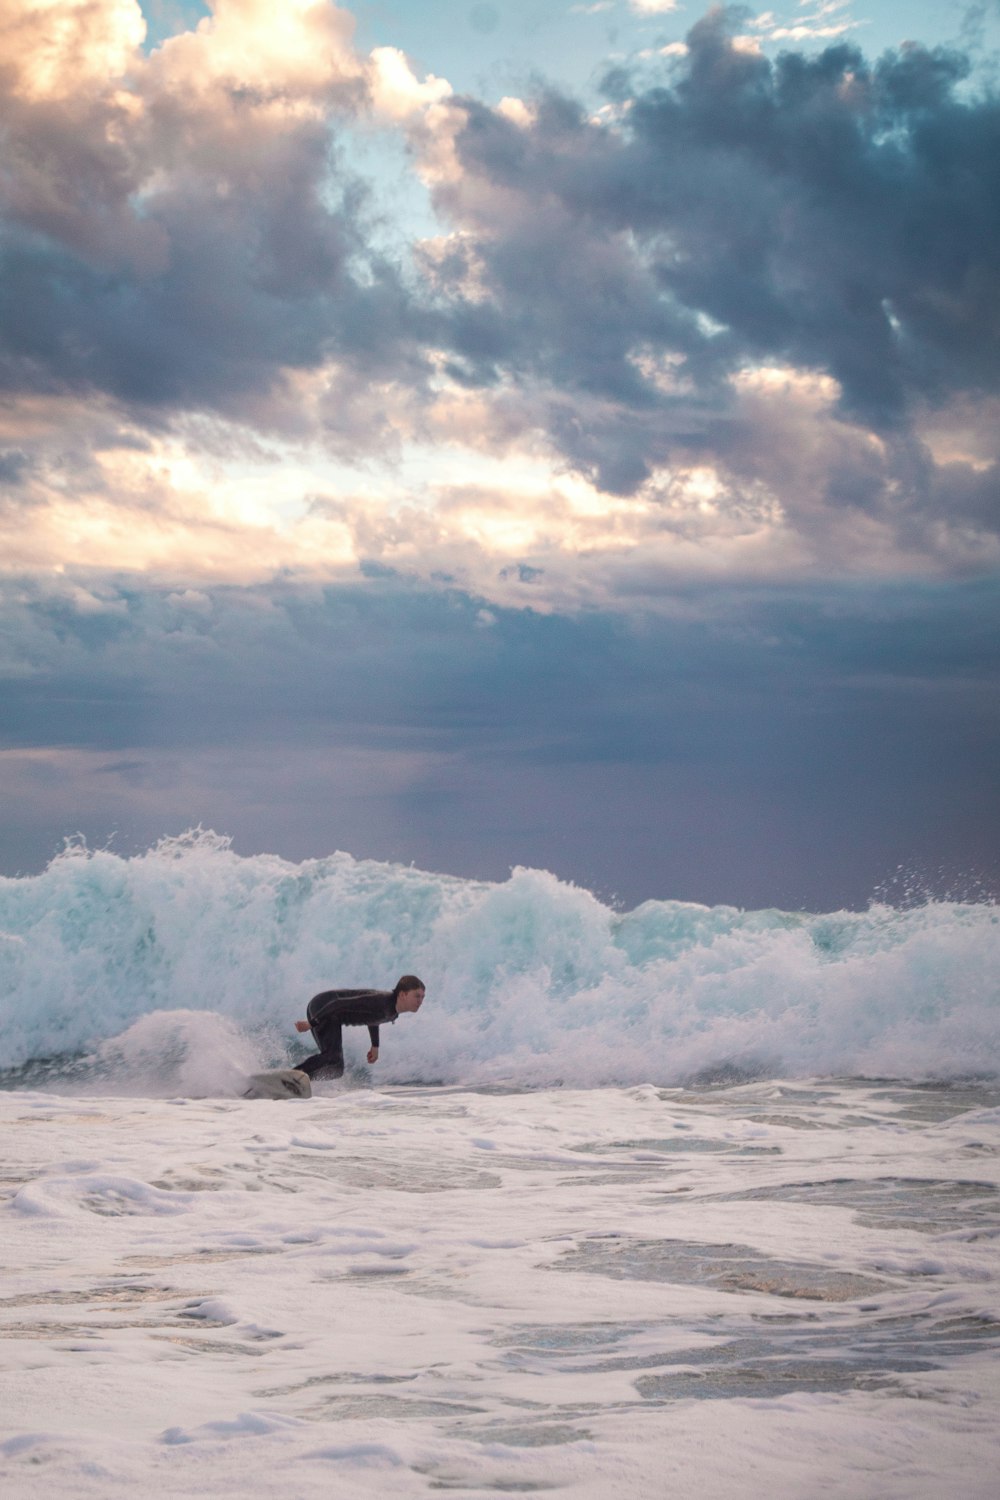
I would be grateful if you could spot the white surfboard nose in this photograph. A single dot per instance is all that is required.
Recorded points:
(283, 1083)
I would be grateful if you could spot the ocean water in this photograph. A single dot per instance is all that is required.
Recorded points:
(675, 1200)
(183, 968)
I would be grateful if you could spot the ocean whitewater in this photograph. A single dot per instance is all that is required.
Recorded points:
(677, 1200)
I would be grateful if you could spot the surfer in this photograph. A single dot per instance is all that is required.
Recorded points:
(329, 1012)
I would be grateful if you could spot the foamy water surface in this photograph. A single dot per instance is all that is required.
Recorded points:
(776, 1289)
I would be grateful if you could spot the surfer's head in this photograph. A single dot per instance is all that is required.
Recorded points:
(409, 992)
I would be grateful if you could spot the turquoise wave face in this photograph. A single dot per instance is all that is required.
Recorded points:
(190, 952)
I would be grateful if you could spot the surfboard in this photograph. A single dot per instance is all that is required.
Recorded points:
(283, 1083)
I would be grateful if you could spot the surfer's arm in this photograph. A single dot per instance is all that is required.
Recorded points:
(373, 1051)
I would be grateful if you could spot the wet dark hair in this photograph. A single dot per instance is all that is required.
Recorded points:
(407, 983)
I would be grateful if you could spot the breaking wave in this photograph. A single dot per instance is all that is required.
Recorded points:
(186, 967)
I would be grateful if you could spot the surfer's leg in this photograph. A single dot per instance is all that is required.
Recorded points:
(330, 1060)
(311, 1010)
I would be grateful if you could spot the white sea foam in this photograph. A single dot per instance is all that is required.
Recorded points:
(191, 963)
(745, 1293)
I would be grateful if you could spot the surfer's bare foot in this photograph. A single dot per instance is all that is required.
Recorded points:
(302, 1026)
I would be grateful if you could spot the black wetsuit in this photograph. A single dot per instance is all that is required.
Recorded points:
(329, 1012)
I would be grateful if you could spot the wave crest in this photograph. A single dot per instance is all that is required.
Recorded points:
(530, 980)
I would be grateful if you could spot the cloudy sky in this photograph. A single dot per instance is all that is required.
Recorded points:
(517, 433)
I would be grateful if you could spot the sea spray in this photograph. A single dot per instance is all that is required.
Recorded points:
(529, 980)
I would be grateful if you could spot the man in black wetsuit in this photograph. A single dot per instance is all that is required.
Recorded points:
(331, 1011)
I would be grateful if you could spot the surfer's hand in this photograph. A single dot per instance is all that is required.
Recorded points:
(373, 1054)
(302, 1026)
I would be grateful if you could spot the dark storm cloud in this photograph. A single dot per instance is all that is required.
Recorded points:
(391, 656)
(13, 464)
(812, 737)
(828, 211)
(264, 279)
(179, 236)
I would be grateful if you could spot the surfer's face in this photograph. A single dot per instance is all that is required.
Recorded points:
(410, 999)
